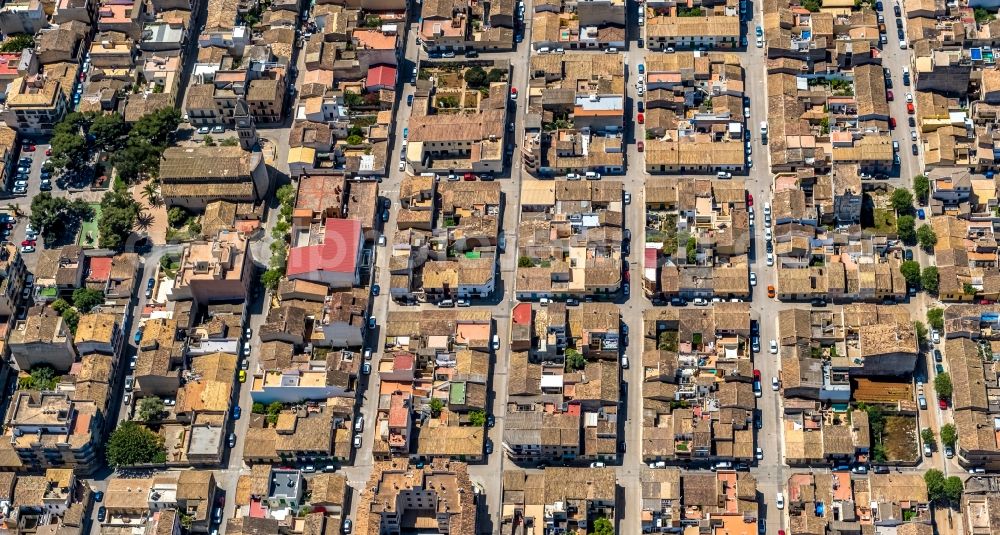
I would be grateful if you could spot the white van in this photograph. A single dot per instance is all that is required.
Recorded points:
(496, 342)
(723, 174)
(591, 175)
(624, 362)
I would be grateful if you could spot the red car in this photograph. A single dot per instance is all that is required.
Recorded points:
(640, 145)
(756, 375)
(627, 277)
(28, 148)
(26, 243)
(943, 403)
(888, 95)
(513, 92)
(892, 122)
(909, 108)
(749, 200)
(470, 176)
(642, 118)
(48, 152)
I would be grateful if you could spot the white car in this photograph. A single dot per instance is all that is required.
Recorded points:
(767, 208)
(402, 165)
(779, 501)
(935, 336)
(773, 347)
(767, 234)
(753, 279)
(27, 248)
(760, 454)
(774, 384)
(909, 97)
(913, 135)
(760, 42)
(746, 112)
(770, 259)
(628, 198)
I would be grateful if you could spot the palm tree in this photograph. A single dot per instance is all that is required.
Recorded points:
(152, 194)
(143, 220)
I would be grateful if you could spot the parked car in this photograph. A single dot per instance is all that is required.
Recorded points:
(773, 347)
(138, 336)
(237, 412)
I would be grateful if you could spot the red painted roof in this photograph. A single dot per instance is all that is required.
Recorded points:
(381, 75)
(338, 252)
(402, 361)
(100, 269)
(8, 64)
(398, 411)
(521, 315)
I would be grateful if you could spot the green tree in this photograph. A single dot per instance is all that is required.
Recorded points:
(811, 5)
(59, 305)
(942, 385)
(953, 489)
(109, 131)
(603, 526)
(353, 100)
(496, 75)
(477, 418)
(132, 444)
(692, 249)
(575, 360)
(119, 212)
(436, 406)
(927, 237)
(935, 318)
(934, 480)
(968, 288)
(524, 262)
(948, 435)
(921, 188)
(17, 42)
(85, 299)
(71, 318)
(927, 436)
(53, 216)
(230, 142)
(69, 151)
(902, 201)
(355, 140)
(271, 278)
(150, 408)
(929, 279)
(921, 331)
(879, 453)
(911, 272)
(156, 127)
(208, 140)
(475, 77)
(981, 15)
(41, 377)
(151, 192)
(904, 229)
(177, 216)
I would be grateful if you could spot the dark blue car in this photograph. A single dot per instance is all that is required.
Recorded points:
(237, 412)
